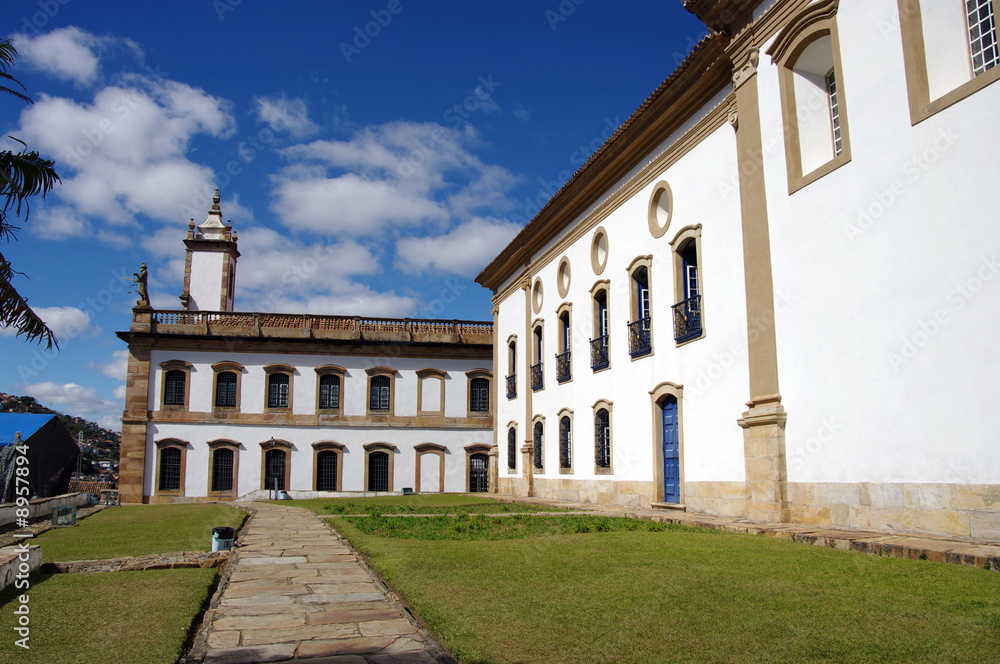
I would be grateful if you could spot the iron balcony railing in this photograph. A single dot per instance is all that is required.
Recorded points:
(687, 319)
(536, 377)
(512, 386)
(599, 353)
(563, 371)
(639, 340)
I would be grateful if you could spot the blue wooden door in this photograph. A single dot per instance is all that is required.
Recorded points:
(671, 452)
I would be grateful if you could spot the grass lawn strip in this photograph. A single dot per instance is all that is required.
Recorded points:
(679, 595)
(417, 504)
(110, 618)
(137, 530)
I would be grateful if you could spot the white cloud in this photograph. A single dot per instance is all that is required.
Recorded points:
(70, 398)
(463, 250)
(66, 53)
(58, 223)
(282, 114)
(116, 367)
(65, 322)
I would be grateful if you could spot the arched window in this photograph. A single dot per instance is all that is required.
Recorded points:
(538, 348)
(379, 393)
(565, 444)
(640, 338)
(170, 469)
(537, 440)
(479, 395)
(329, 392)
(277, 390)
(326, 470)
(274, 469)
(174, 384)
(687, 313)
(225, 389)
(512, 448)
(223, 463)
(602, 435)
(512, 368)
(599, 357)
(564, 370)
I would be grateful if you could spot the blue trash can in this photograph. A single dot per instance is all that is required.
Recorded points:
(222, 538)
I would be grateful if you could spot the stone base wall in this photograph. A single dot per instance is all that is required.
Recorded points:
(721, 498)
(17, 562)
(601, 492)
(950, 510)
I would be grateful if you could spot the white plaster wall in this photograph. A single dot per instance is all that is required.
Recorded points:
(206, 280)
(354, 391)
(712, 370)
(887, 282)
(301, 438)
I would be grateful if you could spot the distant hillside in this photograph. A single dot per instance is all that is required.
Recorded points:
(104, 441)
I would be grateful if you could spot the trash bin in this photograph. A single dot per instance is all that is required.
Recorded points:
(222, 538)
(283, 495)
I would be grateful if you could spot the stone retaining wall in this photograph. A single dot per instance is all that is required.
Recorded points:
(42, 507)
(183, 560)
(18, 560)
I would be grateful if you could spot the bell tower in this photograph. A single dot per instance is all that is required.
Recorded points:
(210, 265)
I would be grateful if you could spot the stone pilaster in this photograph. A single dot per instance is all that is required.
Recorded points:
(528, 463)
(135, 420)
(764, 454)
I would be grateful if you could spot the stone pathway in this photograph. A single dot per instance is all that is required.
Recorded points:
(296, 592)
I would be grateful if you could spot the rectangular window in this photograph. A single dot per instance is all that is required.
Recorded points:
(170, 469)
(831, 89)
(379, 393)
(222, 470)
(982, 35)
(329, 392)
(479, 396)
(225, 390)
(173, 389)
(277, 391)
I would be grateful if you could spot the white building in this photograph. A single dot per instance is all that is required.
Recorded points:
(223, 404)
(771, 292)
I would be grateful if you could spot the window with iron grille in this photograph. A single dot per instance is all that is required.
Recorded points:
(277, 390)
(222, 469)
(565, 444)
(274, 469)
(326, 471)
(602, 434)
(982, 35)
(479, 473)
(225, 390)
(831, 91)
(378, 471)
(512, 448)
(379, 393)
(537, 439)
(329, 392)
(173, 388)
(479, 395)
(170, 469)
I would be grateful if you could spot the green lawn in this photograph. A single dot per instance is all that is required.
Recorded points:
(137, 530)
(106, 618)
(680, 595)
(438, 503)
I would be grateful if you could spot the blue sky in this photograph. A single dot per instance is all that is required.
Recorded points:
(402, 142)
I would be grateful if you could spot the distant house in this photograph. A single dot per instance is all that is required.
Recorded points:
(52, 454)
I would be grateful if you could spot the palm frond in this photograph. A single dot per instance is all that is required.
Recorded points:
(7, 55)
(22, 175)
(15, 312)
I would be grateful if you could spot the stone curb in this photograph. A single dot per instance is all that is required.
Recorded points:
(181, 560)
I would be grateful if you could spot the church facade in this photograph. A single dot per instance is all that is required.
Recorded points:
(771, 292)
(223, 404)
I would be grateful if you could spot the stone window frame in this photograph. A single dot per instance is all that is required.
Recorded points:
(641, 262)
(656, 395)
(595, 249)
(389, 373)
(566, 414)
(599, 405)
(230, 367)
(328, 446)
(814, 22)
(680, 241)
(391, 450)
(287, 448)
(538, 352)
(538, 446)
(470, 376)
(661, 203)
(600, 286)
(512, 444)
(187, 369)
(433, 449)
(564, 276)
(341, 374)
(564, 344)
(475, 448)
(273, 370)
(182, 447)
(223, 444)
(511, 365)
(428, 374)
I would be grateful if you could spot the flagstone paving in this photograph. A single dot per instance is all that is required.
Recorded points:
(296, 592)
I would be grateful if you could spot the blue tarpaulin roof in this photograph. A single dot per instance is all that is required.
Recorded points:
(26, 423)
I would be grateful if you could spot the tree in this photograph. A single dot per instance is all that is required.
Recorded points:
(23, 174)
